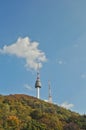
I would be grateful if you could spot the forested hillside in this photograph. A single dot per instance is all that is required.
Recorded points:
(22, 112)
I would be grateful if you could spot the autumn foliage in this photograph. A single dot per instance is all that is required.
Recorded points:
(22, 112)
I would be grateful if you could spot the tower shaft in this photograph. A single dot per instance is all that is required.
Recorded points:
(38, 92)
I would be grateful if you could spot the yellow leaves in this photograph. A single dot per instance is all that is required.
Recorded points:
(13, 121)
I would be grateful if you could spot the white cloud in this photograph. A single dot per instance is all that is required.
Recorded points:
(76, 45)
(24, 48)
(28, 87)
(67, 105)
(61, 62)
(83, 76)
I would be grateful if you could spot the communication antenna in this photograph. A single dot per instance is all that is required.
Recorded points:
(49, 96)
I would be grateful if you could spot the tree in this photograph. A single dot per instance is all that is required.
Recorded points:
(71, 126)
(13, 123)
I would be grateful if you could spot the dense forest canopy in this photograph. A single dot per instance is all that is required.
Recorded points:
(22, 112)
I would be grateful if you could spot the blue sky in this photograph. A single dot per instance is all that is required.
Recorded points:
(52, 32)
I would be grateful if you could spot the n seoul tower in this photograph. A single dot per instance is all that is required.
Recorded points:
(38, 84)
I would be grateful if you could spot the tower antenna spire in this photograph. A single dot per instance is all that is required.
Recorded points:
(38, 71)
(49, 96)
(38, 83)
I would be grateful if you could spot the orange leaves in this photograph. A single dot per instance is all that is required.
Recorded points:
(13, 121)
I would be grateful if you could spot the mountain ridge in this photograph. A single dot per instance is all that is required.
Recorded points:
(24, 112)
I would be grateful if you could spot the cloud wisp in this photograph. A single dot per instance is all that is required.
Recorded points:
(67, 105)
(24, 48)
(61, 62)
(28, 87)
(83, 76)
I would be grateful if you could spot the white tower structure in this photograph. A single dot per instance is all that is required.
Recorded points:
(38, 84)
(49, 96)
